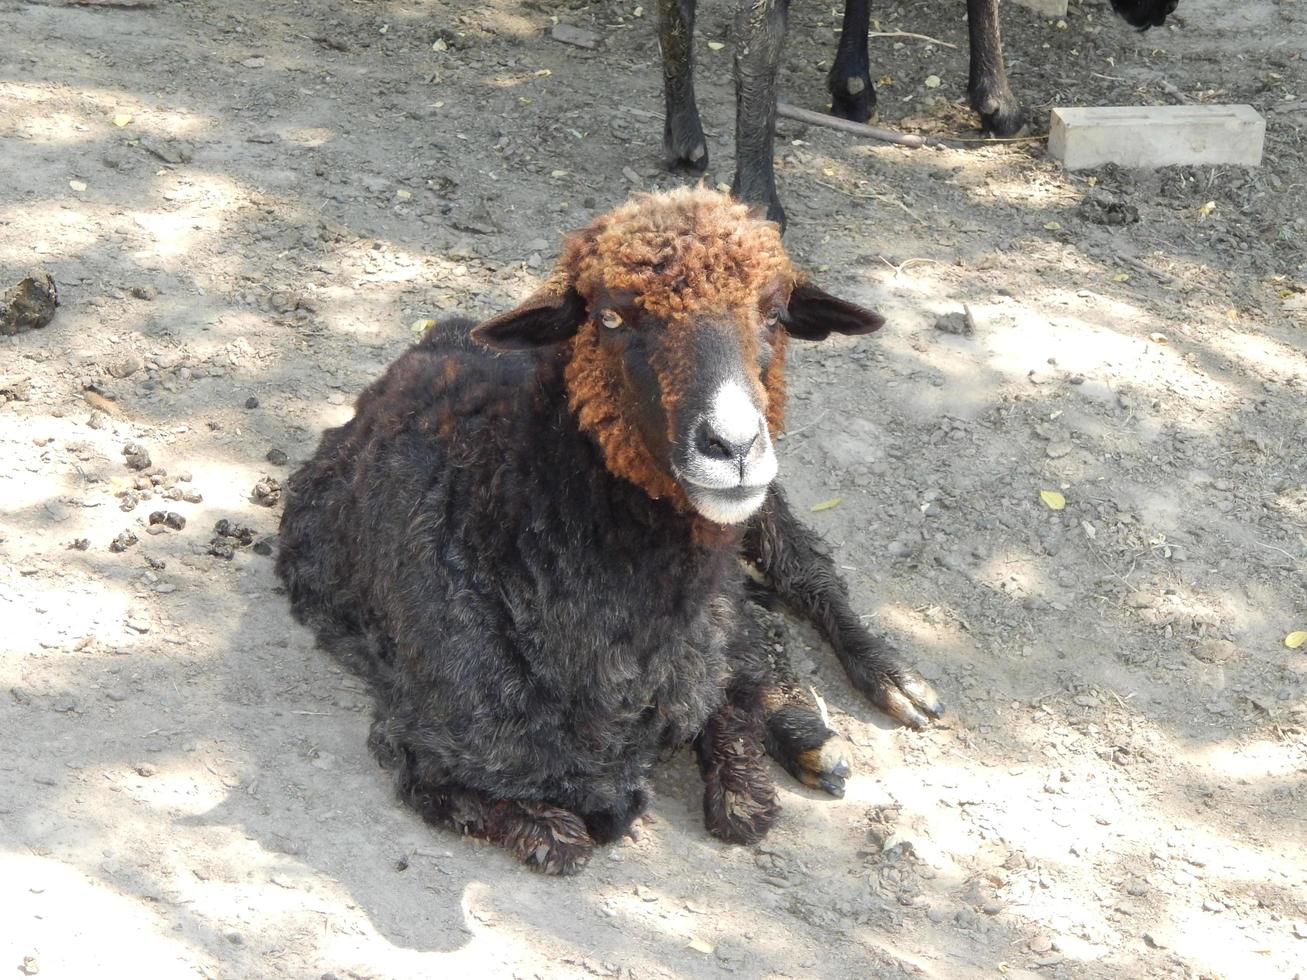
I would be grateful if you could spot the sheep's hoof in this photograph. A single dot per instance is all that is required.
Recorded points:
(1000, 115)
(853, 98)
(906, 697)
(684, 146)
(549, 839)
(799, 740)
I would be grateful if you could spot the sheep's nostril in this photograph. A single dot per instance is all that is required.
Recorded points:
(712, 444)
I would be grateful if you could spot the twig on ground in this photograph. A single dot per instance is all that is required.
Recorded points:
(910, 140)
(905, 263)
(918, 37)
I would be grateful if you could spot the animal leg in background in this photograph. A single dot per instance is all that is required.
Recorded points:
(759, 37)
(798, 569)
(1000, 112)
(683, 142)
(852, 95)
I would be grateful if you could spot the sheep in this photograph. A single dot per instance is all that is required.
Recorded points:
(531, 537)
(759, 35)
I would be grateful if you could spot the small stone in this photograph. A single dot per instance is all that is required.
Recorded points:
(264, 547)
(991, 908)
(157, 517)
(136, 456)
(1056, 450)
(124, 541)
(267, 491)
(146, 293)
(1042, 943)
(116, 694)
(276, 457)
(80, 544)
(1153, 942)
(576, 36)
(174, 520)
(645, 894)
(956, 323)
(1140, 600)
(899, 549)
(251, 402)
(192, 496)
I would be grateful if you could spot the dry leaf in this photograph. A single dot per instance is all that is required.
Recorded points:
(440, 45)
(715, 45)
(1052, 226)
(1158, 338)
(700, 946)
(1121, 277)
(419, 326)
(403, 195)
(122, 119)
(77, 185)
(932, 81)
(1052, 499)
(826, 505)
(558, 173)
(1206, 209)
(1295, 639)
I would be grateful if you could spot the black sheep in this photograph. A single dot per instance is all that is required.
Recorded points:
(535, 556)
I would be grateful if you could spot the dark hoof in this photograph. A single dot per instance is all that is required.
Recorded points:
(684, 148)
(853, 98)
(764, 199)
(907, 698)
(549, 839)
(1002, 116)
(826, 768)
(799, 740)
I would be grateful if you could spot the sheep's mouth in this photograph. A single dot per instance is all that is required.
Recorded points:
(726, 505)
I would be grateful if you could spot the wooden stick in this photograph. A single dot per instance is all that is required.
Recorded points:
(919, 37)
(857, 129)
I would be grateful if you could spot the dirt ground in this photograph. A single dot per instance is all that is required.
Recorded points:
(248, 205)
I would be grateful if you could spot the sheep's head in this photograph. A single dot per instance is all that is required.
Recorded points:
(676, 309)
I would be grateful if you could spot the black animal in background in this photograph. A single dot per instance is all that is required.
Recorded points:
(534, 556)
(759, 38)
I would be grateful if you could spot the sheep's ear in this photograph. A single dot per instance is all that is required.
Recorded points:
(815, 314)
(548, 317)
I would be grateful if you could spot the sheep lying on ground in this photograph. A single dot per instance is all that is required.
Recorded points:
(759, 37)
(535, 556)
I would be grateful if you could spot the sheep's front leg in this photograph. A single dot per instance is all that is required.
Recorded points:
(739, 799)
(759, 37)
(683, 142)
(798, 569)
(545, 838)
(849, 82)
(1000, 112)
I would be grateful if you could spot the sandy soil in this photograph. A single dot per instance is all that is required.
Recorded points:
(247, 206)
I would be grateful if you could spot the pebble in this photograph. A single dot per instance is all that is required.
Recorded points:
(124, 541)
(1213, 651)
(1056, 450)
(1042, 943)
(575, 36)
(251, 402)
(1153, 942)
(276, 457)
(267, 491)
(116, 694)
(136, 456)
(125, 366)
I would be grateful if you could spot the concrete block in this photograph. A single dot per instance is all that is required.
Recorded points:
(1157, 136)
(1052, 9)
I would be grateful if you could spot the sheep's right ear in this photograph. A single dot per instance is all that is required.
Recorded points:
(548, 317)
(815, 314)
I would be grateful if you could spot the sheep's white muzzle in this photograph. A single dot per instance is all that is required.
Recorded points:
(729, 462)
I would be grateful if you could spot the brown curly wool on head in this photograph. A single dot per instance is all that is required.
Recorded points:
(684, 258)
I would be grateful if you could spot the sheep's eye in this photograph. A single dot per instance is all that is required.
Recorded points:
(772, 317)
(610, 319)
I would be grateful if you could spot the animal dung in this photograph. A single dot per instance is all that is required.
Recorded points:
(1156, 136)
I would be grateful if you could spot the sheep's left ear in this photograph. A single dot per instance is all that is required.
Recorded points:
(814, 314)
(548, 317)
